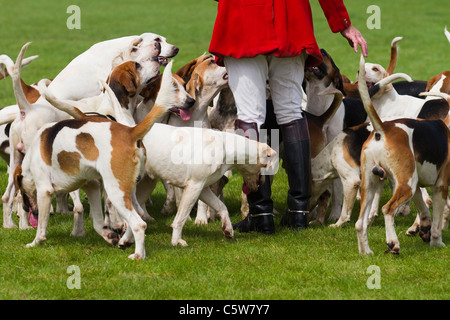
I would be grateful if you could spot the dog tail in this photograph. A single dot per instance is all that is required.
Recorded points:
(6, 64)
(59, 104)
(439, 94)
(14, 72)
(394, 55)
(331, 111)
(447, 34)
(164, 101)
(387, 81)
(365, 97)
(8, 114)
(115, 105)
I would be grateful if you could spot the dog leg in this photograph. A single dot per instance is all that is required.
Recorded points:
(369, 186)
(44, 201)
(8, 204)
(402, 194)
(23, 215)
(202, 210)
(77, 214)
(62, 204)
(439, 201)
(170, 206)
(190, 196)
(375, 204)
(93, 193)
(135, 224)
(144, 189)
(350, 188)
(244, 206)
(446, 215)
(412, 231)
(214, 202)
(422, 223)
(336, 200)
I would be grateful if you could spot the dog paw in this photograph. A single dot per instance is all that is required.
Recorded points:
(125, 244)
(35, 243)
(366, 251)
(393, 248)
(77, 233)
(113, 238)
(437, 242)
(228, 232)
(136, 256)
(412, 231)
(201, 221)
(180, 242)
(425, 233)
(315, 222)
(9, 225)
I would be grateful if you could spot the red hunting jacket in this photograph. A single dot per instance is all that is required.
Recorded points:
(283, 28)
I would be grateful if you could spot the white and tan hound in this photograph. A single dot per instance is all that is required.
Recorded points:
(75, 153)
(411, 153)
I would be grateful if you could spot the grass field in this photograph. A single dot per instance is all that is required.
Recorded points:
(320, 263)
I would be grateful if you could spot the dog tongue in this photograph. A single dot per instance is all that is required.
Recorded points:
(185, 114)
(32, 219)
(245, 189)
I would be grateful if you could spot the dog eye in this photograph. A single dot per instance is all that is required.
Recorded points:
(375, 69)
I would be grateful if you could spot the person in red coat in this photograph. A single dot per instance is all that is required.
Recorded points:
(273, 40)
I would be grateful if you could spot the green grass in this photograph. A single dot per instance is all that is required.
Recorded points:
(319, 263)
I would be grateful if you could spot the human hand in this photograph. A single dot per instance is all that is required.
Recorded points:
(355, 38)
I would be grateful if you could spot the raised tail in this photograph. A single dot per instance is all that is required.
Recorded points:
(59, 104)
(447, 34)
(439, 94)
(394, 55)
(164, 101)
(365, 97)
(14, 72)
(331, 111)
(6, 64)
(110, 104)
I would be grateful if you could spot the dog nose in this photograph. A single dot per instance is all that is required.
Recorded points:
(175, 51)
(189, 103)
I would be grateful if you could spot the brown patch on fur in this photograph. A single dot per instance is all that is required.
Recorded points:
(46, 148)
(347, 156)
(187, 70)
(151, 90)
(124, 82)
(69, 162)
(86, 144)
(30, 93)
(445, 85)
(124, 152)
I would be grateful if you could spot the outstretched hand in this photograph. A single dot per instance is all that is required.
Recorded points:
(355, 38)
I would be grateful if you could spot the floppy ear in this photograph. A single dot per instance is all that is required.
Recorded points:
(193, 86)
(135, 44)
(431, 83)
(123, 82)
(339, 83)
(185, 72)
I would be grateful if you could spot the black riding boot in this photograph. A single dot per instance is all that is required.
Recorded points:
(260, 216)
(298, 169)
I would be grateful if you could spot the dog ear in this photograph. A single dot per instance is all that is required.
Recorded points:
(193, 86)
(185, 72)
(431, 83)
(135, 44)
(123, 82)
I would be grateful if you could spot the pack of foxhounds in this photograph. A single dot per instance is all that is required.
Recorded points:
(112, 124)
